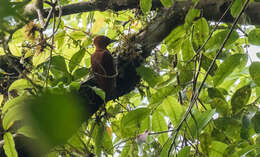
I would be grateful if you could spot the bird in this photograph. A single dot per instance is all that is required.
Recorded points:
(103, 66)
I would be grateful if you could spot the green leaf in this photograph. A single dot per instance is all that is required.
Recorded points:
(15, 113)
(254, 36)
(201, 32)
(237, 7)
(229, 126)
(240, 98)
(205, 63)
(13, 102)
(244, 132)
(185, 55)
(215, 93)
(78, 35)
(256, 122)
(149, 75)
(173, 109)
(175, 38)
(132, 120)
(159, 124)
(162, 93)
(9, 145)
(80, 73)
(218, 149)
(107, 142)
(99, 133)
(167, 3)
(55, 117)
(1, 98)
(202, 119)
(60, 38)
(76, 59)
(221, 106)
(145, 5)
(217, 39)
(59, 67)
(227, 67)
(254, 71)
(20, 85)
(191, 15)
(184, 152)
(99, 92)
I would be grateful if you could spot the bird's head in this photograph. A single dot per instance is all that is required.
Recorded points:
(102, 41)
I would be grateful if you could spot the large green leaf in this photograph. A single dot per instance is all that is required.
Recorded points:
(159, 124)
(240, 98)
(184, 152)
(9, 145)
(191, 15)
(237, 7)
(149, 75)
(253, 36)
(256, 122)
(99, 133)
(166, 3)
(201, 32)
(218, 149)
(80, 73)
(227, 67)
(254, 71)
(205, 63)
(173, 109)
(76, 59)
(221, 106)
(217, 39)
(132, 120)
(20, 85)
(161, 93)
(201, 120)
(145, 5)
(175, 38)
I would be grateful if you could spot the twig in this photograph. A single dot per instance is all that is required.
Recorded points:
(204, 79)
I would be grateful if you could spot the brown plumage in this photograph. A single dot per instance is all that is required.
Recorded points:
(102, 65)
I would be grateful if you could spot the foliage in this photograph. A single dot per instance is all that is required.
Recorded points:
(224, 121)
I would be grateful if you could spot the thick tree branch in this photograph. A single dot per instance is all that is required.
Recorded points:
(212, 9)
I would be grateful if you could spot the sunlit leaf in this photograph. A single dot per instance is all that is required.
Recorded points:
(191, 15)
(166, 3)
(132, 120)
(227, 67)
(240, 98)
(254, 71)
(159, 124)
(99, 137)
(20, 85)
(237, 7)
(9, 145)
(217, 39)
(253, 36)
(184, 152)
(76, 59)
(201, 120)
(145, 5)
(218, 148)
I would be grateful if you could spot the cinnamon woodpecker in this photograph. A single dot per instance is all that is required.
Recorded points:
(102, 65)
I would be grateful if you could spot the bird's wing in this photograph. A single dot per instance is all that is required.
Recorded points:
(108, 63)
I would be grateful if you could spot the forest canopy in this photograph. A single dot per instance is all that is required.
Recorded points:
(186, 81)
